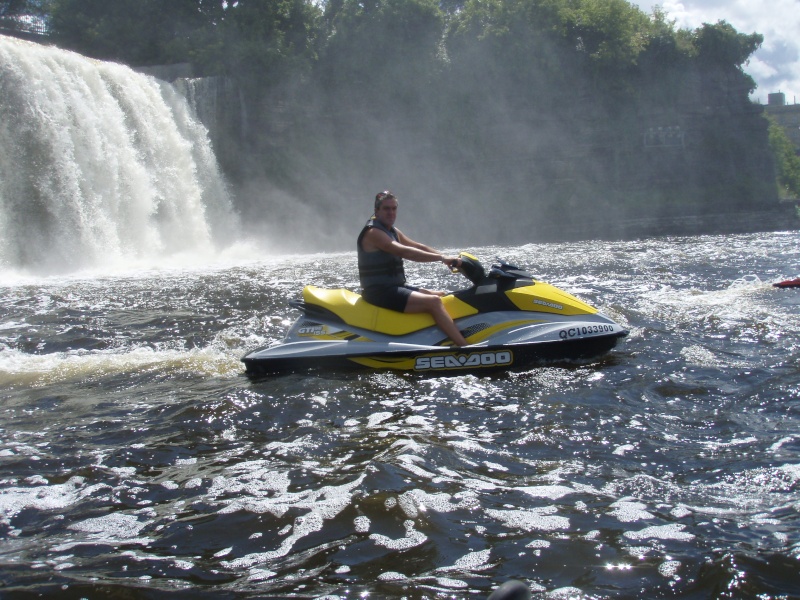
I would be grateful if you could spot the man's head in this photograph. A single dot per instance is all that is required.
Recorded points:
(386, 208)
(381, 196)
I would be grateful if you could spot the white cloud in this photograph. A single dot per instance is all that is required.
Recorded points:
(776, 65)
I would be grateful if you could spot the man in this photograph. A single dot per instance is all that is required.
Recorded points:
(381, 250)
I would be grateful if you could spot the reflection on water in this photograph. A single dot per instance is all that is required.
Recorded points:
(136, 456)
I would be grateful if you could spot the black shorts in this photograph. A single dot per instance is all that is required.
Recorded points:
(393, 297)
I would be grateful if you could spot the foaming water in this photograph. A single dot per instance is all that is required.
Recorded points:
(101, 166)
(138, 459)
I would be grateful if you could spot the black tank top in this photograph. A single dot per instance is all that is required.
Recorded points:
(379, 267)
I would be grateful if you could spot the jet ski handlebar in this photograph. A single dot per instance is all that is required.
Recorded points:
(472, 269)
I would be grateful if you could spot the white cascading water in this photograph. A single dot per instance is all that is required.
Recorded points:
(100, 167)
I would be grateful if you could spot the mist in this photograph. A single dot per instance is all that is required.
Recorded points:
(485, 143)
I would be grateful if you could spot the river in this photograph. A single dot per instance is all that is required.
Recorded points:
(138, 461)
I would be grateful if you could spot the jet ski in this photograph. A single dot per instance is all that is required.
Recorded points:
(789, 283)
(509, 319)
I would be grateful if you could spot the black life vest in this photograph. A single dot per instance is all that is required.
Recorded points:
(379, 267)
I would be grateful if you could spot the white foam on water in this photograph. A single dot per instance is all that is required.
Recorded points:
(391, 576)
(43, 496)
(361, 524)
(552, 492)
(565, 593)
(703, 357)
(39, 370)
(468, 445)
(627, 511)
(303, 526)
(449, 583)
(411, 539)
(785, 440)
(623, 449)
(471, 562)
(113, 528)
(408, 462)
(415, 501)
(680, 512)
(674, 531)
(254, 480)
(260, 574)
(537, 519)
(376, 419)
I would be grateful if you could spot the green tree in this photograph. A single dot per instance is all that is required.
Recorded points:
(550, 43)
(12, 10)
(270, 41)
(720, 46)
(612, 33)
(386, 49)
(138, 32)
(666, 47)
(787, 162)
(516, 47)
(9, 8)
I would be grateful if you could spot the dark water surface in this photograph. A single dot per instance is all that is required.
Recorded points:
(139, 462)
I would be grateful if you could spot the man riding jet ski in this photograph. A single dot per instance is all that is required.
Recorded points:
(381, 250)
(508, 319)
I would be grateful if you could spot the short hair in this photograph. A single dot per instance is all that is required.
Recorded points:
(381, 196)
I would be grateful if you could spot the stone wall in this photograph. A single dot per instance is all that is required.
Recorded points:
(783, 217)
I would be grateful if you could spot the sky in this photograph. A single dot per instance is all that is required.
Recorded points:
(776, 65)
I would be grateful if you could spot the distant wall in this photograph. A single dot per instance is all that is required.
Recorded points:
(781, 218)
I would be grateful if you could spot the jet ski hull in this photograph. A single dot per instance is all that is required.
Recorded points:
(470, 359)
(789, 283)
(505, 340)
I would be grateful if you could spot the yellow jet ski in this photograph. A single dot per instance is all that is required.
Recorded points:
(510, 320)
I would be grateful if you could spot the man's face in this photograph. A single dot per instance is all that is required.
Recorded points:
(387, 212)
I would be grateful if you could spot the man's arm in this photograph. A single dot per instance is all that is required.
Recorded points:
(407, 241)
(404, 248)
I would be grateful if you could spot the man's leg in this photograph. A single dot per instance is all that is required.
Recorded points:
(419, 302)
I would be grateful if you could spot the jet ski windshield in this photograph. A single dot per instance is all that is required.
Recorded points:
(471, 268)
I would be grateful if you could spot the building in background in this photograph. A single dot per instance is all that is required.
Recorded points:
(785, 115)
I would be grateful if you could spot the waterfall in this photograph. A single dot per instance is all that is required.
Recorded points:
(101, 166)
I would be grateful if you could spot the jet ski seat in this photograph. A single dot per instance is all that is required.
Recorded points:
(357, 312)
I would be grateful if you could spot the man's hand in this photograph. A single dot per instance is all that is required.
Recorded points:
(452, 261)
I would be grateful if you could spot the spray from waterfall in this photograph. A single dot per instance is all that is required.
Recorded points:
(101, 166)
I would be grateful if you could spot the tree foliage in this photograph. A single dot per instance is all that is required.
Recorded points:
(721, 45)
(611, 33)
(380, 46)
(787, 162)
(138, 32)
(9, 8)
(378, 42)
(245, 38)
(269, 40)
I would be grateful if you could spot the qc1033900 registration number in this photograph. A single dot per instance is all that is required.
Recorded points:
(583, 330)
